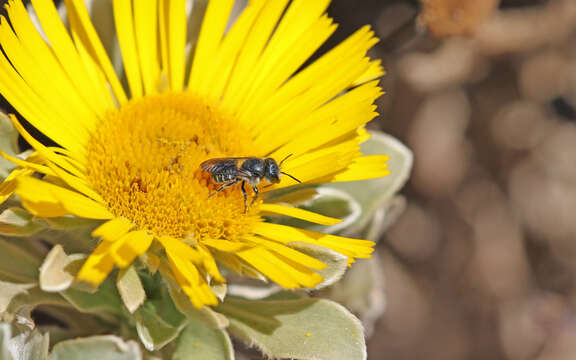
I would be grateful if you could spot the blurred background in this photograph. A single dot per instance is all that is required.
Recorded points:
(482, 263)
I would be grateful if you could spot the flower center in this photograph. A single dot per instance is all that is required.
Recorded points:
(145, 158)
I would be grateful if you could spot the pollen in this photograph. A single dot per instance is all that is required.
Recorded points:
(144, 160)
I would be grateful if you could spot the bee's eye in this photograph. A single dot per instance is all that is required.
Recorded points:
(273, 169)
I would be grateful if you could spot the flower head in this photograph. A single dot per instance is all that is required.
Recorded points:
(130, 155)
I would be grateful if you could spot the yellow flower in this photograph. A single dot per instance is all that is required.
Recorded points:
(131, 155)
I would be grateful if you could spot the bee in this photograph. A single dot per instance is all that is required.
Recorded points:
(252, 170)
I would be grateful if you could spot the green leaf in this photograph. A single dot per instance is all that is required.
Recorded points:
(29, 345)
(68, 222)
(154, 331)
(205, 314)
(287, 295)
(106, 299)
(337, 204)
(8, 291)
(372, 194)
(96, 348)
(8, 144)
(130, 289)
(18, 300)
(76, 239)
(22, 303)
(16, 263)
(362, 291)
(336, 264)
(71, 323)
(313, 329)
(5, 335)
(56, 273)
(292, 195)
(18, 222)
(219, 290)
(327, 201)
(201, 341)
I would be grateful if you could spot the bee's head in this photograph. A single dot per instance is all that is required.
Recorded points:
(271, 170)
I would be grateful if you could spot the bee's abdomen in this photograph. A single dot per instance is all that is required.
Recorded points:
(222, 178)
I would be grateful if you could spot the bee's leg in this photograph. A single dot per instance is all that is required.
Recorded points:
(255, 189)
(245, 196)
(227, 185)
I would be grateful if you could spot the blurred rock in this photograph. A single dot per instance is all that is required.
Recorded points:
(555, 154)
(527, 324)
(437, 139)
(520, 125)
(455, 17)
(562, 346)
(483, 261)
(453, 63)
(474, 195)
(393, 17)
(526, 28)
(500, 260)
(543, 76)
(416, 234)
(407, 308)
(546, 205)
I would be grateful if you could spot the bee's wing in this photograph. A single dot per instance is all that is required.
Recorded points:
(214, 164)
(223, 166)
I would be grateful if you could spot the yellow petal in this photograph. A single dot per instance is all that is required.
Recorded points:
(231, 261)
(44, 151)
(59, 165)
(294, 255)
(287, 234)
(299, 34)
(210, 264)
(8, 186)
(299, 214)
(213, 26)
(279, 270)
(98, 265)
(212, 84)
(224, 245)
(175, 12)
(191, 282)
(320, 163)
(178, 247)
(27, 89)
(42, 169)
(247, 64)
(48, 200)
(373, 72)
(269, 266)
(328, 122)
(131, 245)
(314, 86)
(113, 229)
(364, 168)
(36, 63)
(86, 37)
(92, 88)
(125, 29)
(146, 33)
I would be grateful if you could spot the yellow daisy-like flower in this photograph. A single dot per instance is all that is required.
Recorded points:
(131, 155)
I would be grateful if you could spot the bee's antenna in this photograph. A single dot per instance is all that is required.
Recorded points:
(285, 160)
(282, 172)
